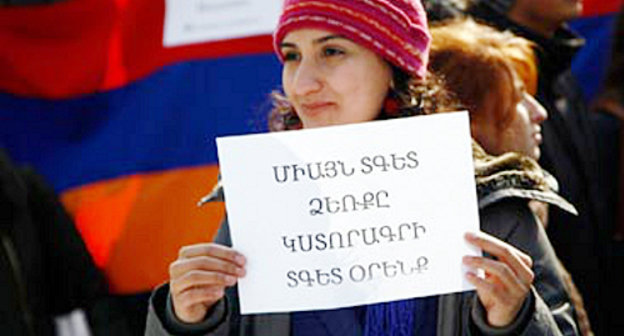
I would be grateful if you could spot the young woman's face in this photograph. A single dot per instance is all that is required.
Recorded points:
(330, 80)
(523, 133)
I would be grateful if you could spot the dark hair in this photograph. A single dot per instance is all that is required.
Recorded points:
(413, 97)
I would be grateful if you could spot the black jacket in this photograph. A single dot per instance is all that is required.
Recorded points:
(45, 268)
(569, 153)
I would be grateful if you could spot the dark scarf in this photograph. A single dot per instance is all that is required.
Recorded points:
(390, 319)
(402, 318)
(514, 175)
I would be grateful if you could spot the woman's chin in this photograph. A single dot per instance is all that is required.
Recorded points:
(315, 124)
(322, 123)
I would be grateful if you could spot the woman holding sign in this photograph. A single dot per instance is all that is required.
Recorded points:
(348, 61)
(504, 116)
(494, 75)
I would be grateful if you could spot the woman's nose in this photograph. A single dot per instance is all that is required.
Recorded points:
(538, 112)
(307, 78)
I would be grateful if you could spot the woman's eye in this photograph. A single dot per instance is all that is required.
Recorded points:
(331, 51)
(291, 56)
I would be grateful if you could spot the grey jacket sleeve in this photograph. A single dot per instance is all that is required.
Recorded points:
(549, 311)
(223, 319)
(161, 321)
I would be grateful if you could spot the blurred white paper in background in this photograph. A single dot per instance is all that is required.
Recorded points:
(73, 323)
(199, 21)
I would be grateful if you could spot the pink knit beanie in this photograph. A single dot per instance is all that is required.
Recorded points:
(394, 29)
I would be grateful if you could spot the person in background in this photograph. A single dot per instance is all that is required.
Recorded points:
(46, 271)
(439, 10)
(494, 75)
(569, 148)
(49, 283)
(609, 120)
(480, 65)
(335, 74)
(609, 107)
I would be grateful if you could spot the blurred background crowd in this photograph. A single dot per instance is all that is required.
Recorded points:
(107, 144)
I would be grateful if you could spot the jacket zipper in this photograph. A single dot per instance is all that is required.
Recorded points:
(20, 285)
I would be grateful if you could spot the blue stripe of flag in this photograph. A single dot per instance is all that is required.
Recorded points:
(165, 121)
(590, 64)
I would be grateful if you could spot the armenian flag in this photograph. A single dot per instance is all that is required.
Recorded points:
(122, 121)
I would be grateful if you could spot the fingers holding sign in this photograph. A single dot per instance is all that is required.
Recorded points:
(199, 276)
(507, 280)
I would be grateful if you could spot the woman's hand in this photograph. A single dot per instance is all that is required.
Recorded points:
(199, 276)
(507, 279)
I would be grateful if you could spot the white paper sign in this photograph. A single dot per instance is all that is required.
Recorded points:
(198, 21)
(351, 215)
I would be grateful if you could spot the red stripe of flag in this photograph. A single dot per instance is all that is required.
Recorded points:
(79, 47)
(601, 7)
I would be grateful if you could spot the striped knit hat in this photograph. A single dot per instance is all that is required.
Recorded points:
(395, 29)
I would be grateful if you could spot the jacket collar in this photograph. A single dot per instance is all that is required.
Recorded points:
(512, 175)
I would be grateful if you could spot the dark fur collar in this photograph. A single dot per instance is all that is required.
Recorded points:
(513, 175)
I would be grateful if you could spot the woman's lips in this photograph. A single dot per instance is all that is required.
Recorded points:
(538, 138)
(312, 109)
